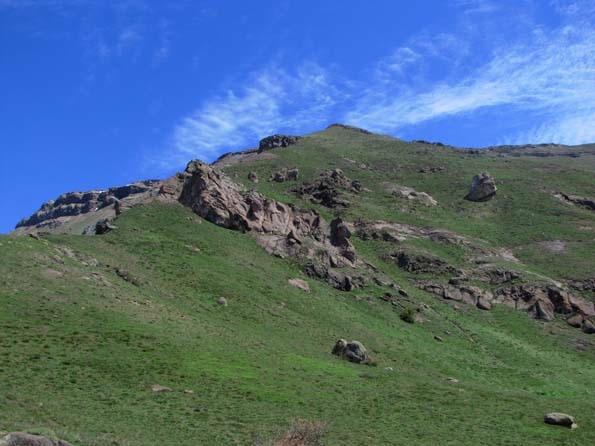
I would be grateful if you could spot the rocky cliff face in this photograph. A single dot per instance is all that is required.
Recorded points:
(79, 211)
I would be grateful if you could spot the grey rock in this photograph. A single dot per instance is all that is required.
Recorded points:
(560, 419)
(483, 188)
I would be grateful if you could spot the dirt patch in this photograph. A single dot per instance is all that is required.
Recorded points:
(553, 245)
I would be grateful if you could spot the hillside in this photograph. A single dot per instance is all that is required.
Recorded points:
(501, 293)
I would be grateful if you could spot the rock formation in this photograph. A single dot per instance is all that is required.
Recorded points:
(274, 141)
(483, 188)
(285, 174)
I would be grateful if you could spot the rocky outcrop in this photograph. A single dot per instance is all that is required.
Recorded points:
(282, 230)
(326, 189)
(483, 188)
(540, 301)
(25, 439)
(85, 209)
(353, 351)
(468, 294)
(285, 174)
(492, 274)
(410, 194)
(585, 202)
(274, 141)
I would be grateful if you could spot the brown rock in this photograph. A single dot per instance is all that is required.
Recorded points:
(588, 326)
(157, 388)
(575, 321)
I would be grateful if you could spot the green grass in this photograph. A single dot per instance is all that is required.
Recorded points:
(80, 346)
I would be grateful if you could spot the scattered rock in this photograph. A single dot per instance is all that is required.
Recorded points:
(158, 388)
(301, 284)
(104, 226)
(222, 301)
(325, 190)
(431, 169)
(285, 174)
(253, 176)
(460, 293)
(25, 439)
(560, 419)
(483, 188)
(353, 351)
(575, 321)
(588, 326)
(492, 274)
(410, 194)
(127, 276)
(274, 141)
(586, 202)
(419, 263)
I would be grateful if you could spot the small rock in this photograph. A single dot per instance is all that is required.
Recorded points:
(575, 321)
(159, 388)
(188, 391)
(222, 301)
(438, 338)
(253, 176)
(483, 303)
(450, 379)
(301, 284)
(560, 419)
(588, 327)
(389, 369)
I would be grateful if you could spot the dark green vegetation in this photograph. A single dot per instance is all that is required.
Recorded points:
(88, 324)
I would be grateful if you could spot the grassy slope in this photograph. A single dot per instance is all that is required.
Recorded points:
(78, 352)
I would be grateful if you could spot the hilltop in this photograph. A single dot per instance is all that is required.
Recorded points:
(228, 284)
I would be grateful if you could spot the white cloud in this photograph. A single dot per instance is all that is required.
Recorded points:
(553, 75)
(270, 100)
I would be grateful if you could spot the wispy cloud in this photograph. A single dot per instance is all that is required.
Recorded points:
(271, 100)
(553, 75)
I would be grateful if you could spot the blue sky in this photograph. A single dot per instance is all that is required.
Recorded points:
(96, 93)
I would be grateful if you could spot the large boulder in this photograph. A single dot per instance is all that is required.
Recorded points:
(483, 188)
(560, 419)
(411, 194)
(25, 439)
(353, 351)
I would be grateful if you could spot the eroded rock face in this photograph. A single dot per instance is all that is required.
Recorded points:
(326, 189)
(483, 188)
(87, 207)
(274, 141)
(25, 439)
(281, 229)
